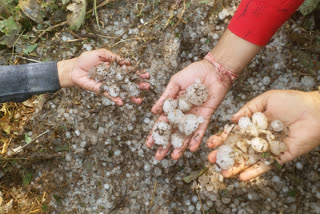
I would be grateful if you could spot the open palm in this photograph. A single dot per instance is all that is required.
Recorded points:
(90, 59)
(204, 72)
(300, 111)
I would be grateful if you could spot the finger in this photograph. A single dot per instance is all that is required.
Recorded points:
(149, 141)
(144, 85)
(258, 104)
(136, 100)
(215, 141)
(212, 157)
(177, 153)
(116, 100)
(112, 57)
(143, 74)
(171, 92)
(197, 136)
(254, 171)
(162, 152)
(236, 169)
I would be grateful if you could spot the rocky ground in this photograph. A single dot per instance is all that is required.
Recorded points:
(93, 159)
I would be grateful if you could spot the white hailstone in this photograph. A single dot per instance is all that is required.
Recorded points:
(196, 94)
(259, 144)
(299, 165)
(119, 76)
(161, 133)
(260, 120)
(169, 105)
(183, 105)
(83, 144)
(244, 122)
(225, 157)
(133, 89)
(253, 158)
(177, 140)
(77, 132)
(106, 186)
(113, 91)
(277, 147)
(68, 157)
(190, 124)
(277, 125)
(68, 135)
(223, 14)
(176, 116)
(106, 101)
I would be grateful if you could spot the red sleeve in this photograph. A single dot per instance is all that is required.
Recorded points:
(258, 20)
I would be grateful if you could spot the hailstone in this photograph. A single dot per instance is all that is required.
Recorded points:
(169, 105)
(277, 147)
(177, 140)
(176, 116)
(244, 122)
(260, 120)
(259, 144)
(183, 105)
(277, 125)
(225, 157)
(161, 133)
(196, 94)
(190, 124)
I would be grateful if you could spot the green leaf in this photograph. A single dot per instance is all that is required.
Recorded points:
(10, 28)
(27, 138)
(27, 179)
(30, 48)
(308, 6)
(44, 207)
(78, 12)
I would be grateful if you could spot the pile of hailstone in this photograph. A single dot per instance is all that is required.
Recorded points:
(180, 123)
(117, 81)
(250, 141)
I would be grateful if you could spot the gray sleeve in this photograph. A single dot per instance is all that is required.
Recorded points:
(20, 82)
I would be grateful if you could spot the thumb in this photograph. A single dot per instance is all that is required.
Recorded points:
(171, 91)
(258, 104)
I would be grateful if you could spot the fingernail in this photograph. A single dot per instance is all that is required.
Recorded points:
(144, 85)
(137, 100)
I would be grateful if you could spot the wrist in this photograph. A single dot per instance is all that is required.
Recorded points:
(65, 72)
(233, 52)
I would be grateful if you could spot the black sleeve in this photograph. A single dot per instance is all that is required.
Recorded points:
(20, 82)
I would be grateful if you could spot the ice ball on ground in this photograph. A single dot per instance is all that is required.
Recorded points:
(113, 91)
(225, 157)
(190, 124)
(161, 133)
(244, 122)
(259, 144)
(169, 105)
(177, 140)
(277, 125)
(260, 120)
(176, 116)
(196, 94)
(132, 89)
(277, 147)
(183, 105)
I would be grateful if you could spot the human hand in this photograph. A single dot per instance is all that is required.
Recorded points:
(206, 73)
(74, 72)
(300, 111)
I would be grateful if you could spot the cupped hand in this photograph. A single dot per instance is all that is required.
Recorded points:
(300, 111)
(206, 73)
(78, 73)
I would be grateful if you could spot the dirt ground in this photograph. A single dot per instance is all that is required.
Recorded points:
(91, 157)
